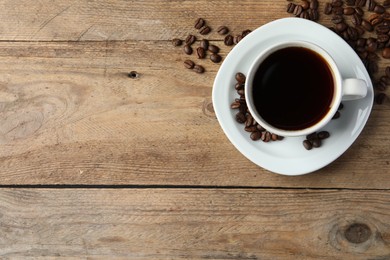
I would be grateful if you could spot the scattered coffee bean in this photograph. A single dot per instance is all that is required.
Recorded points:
(189, 64)
(198, 69)
(311, 136)
(188, 49)
(228, 40)
(255, 135)
(240, 77)
(386, 53)
(323, 135)
(379, 9)
(349, 11)
(336, 115)
(235, 105)
(341, 106)
(240, 118)
(291, 7)
(305, 4)
(245, 33)
(316, 142)
(204, 44)
(222, 30)
(199, 23)
(237, 39)
(190, 39)
(307, 144)
(298, 10)
(205, 30)
(177, 42)
(314, 4)
(215, 58)
(213, 48)
(387, 71)
(201, 53)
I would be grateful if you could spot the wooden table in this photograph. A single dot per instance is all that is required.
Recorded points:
(96, 164)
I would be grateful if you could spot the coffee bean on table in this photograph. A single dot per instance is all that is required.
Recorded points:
(205, 30)
(190, 39)
(222, 30)
(314, 4)
(290, 7)
(199, 23)
(177, 42)
(379, 9)
(245, 33)
(386, 53)
(198, 69)
(298, 10)
(215, 58)
(189, 64)
(187, 49)
(213, 48)
(204, 43)
(328, 9)
(240, 77)
(228, 40)
(387, 71)
(349, 11)
(201, 53)
(307, 144)
(380, 98)
(367, 26)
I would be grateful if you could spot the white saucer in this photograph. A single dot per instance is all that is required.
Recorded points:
(289, 157)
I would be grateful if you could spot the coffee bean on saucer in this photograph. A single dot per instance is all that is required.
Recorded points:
(307, 144)
(235, 105)
(336, 115)
(240, 77)
(323, 135)
(316, 142)
(240, 118)
(255, 135)
(311, 136)
(341, 106)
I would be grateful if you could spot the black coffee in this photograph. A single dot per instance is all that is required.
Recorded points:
(293, 88)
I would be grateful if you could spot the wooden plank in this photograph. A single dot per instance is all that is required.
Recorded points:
(70, 115)
(194, 224)
(59, 20)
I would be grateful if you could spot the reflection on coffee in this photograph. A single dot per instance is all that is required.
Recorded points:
(293, 88)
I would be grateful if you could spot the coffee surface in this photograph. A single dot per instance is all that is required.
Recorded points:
(293, 88)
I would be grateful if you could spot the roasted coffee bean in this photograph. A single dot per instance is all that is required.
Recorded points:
(349, 11)
(352, 33)
(280, 138)
(307, 144)
(314, 4)
(367, 26)
(267, 137)
(313, 14)
(187, 49)
(304, 15)
(201, 53)
(380, 85)
(213, 48)
(372, 67)
(359, 29)
(177, 42)
(341, 27)
(298, 10)
(350, 2)
(338, 10)
(215, 58)
(198, 69)
(337, 3)
(341, 106)
(305, 4)
(311, 136)
(205, 30)
(190, 39)
(241, 92)
(328, 9)
(291, 7)
(386, 16)
(372, 17)
(245, 33)
(204, 44)
(385, 80)
(323, 135)
(371, 5)
(228, 40)
(235, 105)
(386, 3)
(249, 120)
(240, 78)
(189, 64)
(359, 11)
(357, 19)
(379, 9)
(239, 86)
(360, 3)
(199, 23)
(386, 53)
(336, 115)
(274, 137)
(336, 19)
(255, 136)
(382, 38)
(251, 129)
(387, 71)
(382, 29)
(222, 30)
(237, 39)
(380, 98)
(240, 118)
(260, 128)
(243, 108)
(316, 142)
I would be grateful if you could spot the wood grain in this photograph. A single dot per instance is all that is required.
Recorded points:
(192, 224)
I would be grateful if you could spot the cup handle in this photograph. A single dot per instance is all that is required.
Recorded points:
(354, 89)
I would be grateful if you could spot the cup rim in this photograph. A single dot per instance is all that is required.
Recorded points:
(337, 93)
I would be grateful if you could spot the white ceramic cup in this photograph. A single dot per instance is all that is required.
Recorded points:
(344, 89)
